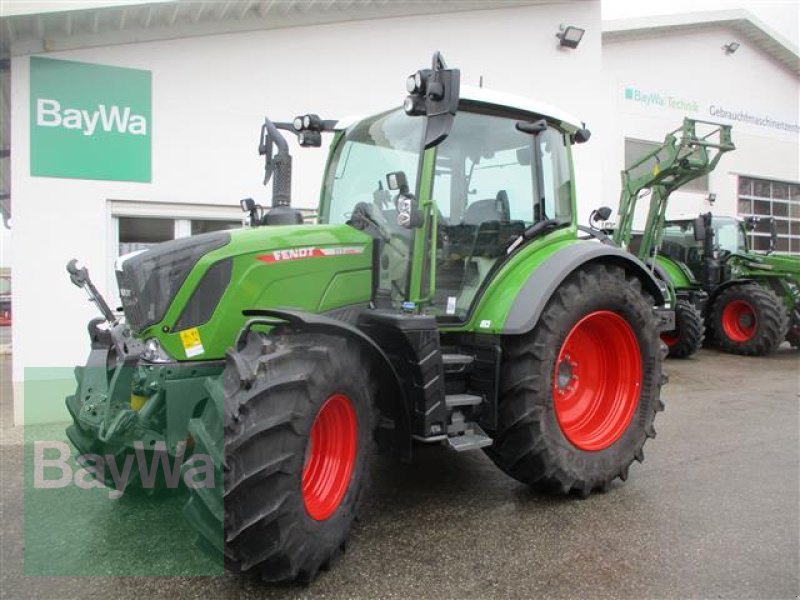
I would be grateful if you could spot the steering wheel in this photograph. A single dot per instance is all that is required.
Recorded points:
(366, 213)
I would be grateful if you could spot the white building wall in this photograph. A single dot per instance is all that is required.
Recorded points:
(209, 98)
(694, 68)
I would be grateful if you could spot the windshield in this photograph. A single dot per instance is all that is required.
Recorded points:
(729, 235)
(679, 243)
(371, 149)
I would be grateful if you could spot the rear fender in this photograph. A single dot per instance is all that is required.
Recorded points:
(532, 297)
(390, 397)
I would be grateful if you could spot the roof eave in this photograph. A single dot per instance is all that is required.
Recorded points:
(740, 21)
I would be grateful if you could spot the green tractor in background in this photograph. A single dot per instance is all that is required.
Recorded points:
(444, 298)
(686, 154)
(754, 298)
(744, 301)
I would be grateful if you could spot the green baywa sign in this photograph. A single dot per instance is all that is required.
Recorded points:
(90, 121)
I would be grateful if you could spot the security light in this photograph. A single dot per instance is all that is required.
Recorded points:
(570, 36)
(712, 197)
(731, 47)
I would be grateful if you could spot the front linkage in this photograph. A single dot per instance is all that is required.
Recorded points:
(124, 409)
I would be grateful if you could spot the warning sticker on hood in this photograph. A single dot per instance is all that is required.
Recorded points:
(190, 338)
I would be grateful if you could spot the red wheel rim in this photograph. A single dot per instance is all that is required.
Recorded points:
(670, 338)
(597, 380)
(739, 320)
(330, 457)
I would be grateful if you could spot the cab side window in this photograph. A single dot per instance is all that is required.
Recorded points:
(556, 182)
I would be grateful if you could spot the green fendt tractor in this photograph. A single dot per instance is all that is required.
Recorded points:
(686, 154)
(754, 298)
(444, 298)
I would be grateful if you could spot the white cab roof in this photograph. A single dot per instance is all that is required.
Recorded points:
(495, 98)
(487, 96)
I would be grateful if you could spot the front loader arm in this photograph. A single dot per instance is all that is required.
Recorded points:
(683, 157)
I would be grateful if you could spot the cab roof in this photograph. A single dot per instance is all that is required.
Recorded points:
(498, 99)
(503, 99)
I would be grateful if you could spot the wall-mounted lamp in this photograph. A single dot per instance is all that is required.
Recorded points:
(712, 197)
(570, 36)
(731, 47)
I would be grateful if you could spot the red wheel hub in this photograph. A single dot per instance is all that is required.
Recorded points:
(739, 320)
(597, 380)
(670, 338)
(330, 457)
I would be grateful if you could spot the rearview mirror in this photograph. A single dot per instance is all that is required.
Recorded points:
(750, 223)
(601, 214)
(247, 204)
(700, 228)
(397, 181)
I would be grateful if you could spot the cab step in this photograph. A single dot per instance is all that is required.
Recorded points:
(456, 400)
(473, 438)
(457, 363)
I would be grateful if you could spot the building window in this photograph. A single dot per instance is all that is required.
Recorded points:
(777, 199)
(637, 149)
(139, 233)
(208, 225)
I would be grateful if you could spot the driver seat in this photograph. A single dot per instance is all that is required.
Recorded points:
(490, 209)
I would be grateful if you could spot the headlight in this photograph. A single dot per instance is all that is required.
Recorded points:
(153, 352)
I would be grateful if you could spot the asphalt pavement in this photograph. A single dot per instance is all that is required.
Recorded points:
(713, 512)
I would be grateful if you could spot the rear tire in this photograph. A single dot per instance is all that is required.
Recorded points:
(689, 332)
(749, 319)
(560, 447)
(290, 430)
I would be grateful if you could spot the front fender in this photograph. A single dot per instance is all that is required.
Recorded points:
(390, 395)
(677, 273)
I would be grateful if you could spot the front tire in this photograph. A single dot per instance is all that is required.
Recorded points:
(579, 393)
(294, 424)
(689, 332)
(749, 319)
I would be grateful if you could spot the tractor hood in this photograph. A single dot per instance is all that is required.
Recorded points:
(149, 280)
(203, 283)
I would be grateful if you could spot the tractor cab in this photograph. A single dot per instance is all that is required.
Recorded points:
(449, 215)
(684, 239)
